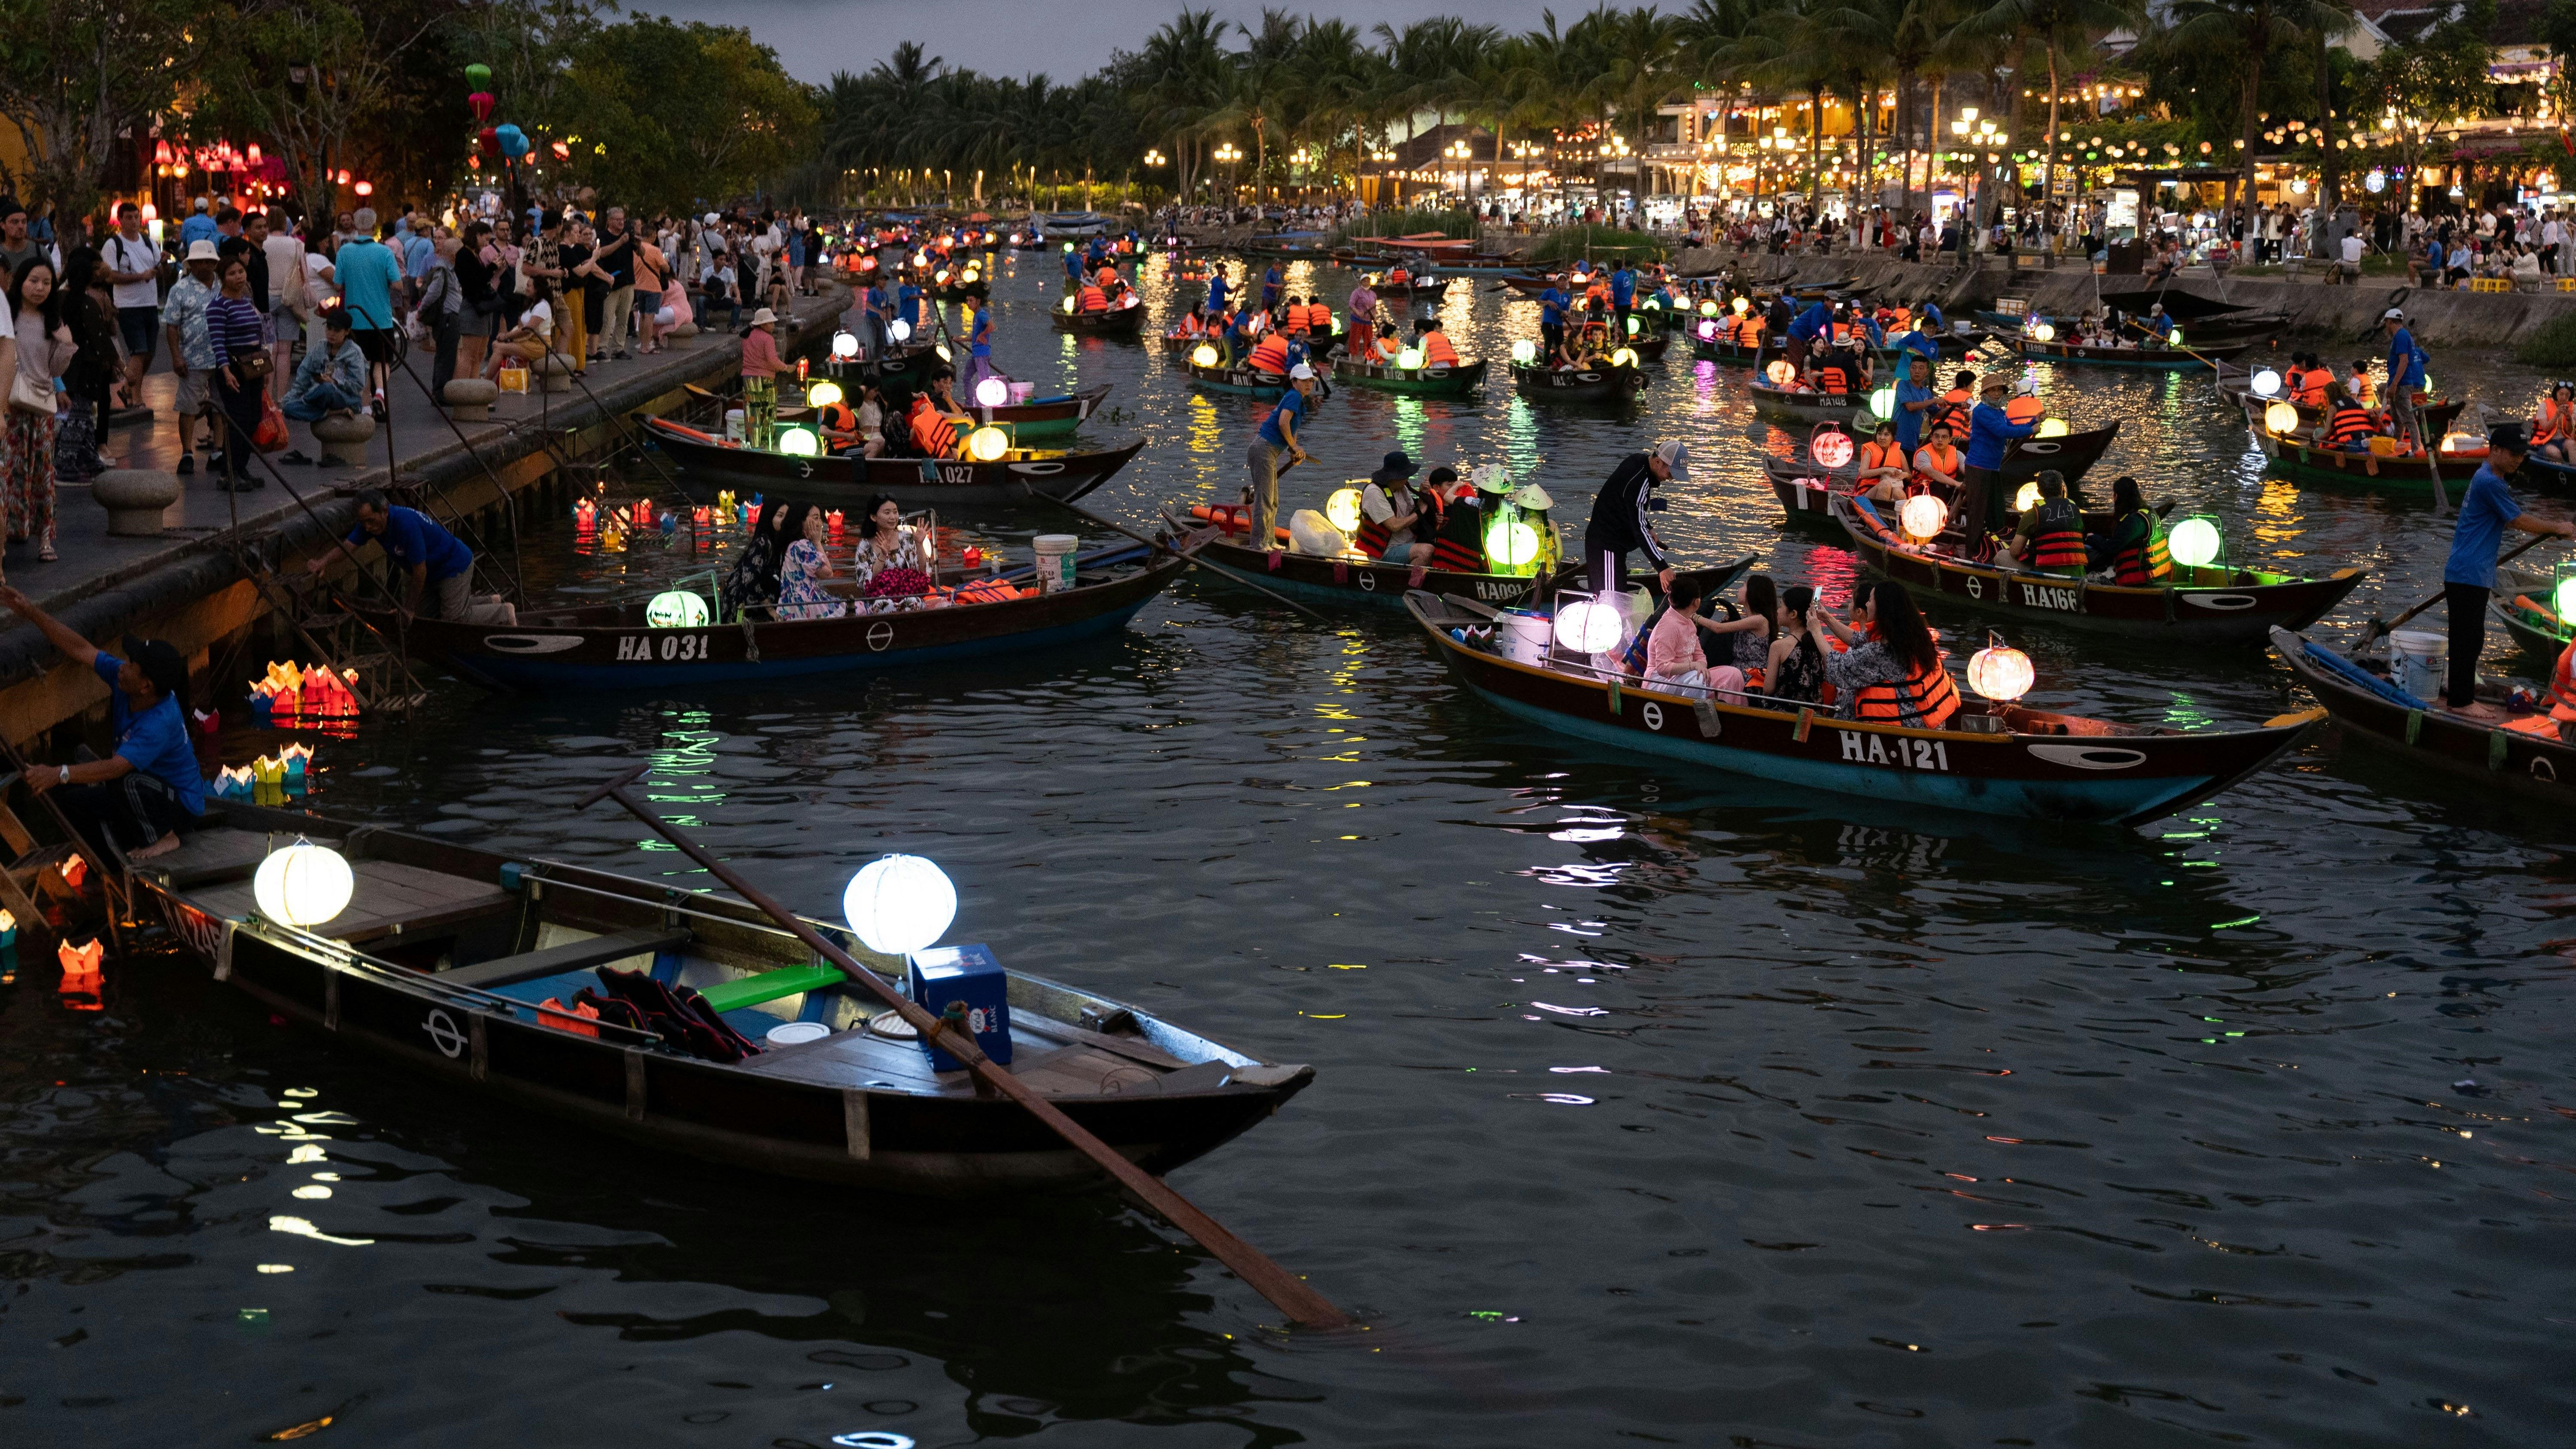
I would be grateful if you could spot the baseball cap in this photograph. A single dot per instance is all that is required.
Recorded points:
(2393, 314)
(1675, 457)
(1301, 373)
(2507, 436)
(160, 662)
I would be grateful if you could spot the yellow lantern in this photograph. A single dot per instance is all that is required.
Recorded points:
(2052, 427)
(676, 609)
(799, 443)
(2042, 332)
(2282, 418)
(1742, 306)
(1781, 373)
(2193, 542)
(1510, 543)
(2026, 499)
(1624, 357)
(1708, 307)
(1922, 516)
(1409, 359)
(1203, 356)
(987, 444)
(1342, 510)
(1069, 304)
(302, 884)
(2000, 673)
(823, 394)
(1524, 352)
(970, 276)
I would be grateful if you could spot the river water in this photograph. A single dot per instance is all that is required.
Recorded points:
(1653, 1106)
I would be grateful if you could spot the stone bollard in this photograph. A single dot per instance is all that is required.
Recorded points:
(554, 372)
(685, 329)
(135, 499)
(344, 439)
(469, 399)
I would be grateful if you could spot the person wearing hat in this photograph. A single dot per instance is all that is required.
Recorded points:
(1261, 456)
(2469, 575)
(1991, 430)
(2405, 373)
(760, 369)
(139, 798)
(192, 344)
(1392, 514)
(1619, 522)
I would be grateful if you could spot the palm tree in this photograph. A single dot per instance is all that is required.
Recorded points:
(2248, 29)
(1187, 73)
(1783, 48)
(2053, 25)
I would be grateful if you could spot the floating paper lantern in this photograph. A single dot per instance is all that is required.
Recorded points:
(987, 444)
(1831, 450)
(1781, 373)
(1922, 516)
(302, 884)
(1590, 626)
(1409, 359)
(2000, 673)
(2052, 427)
(992, 392)
(833, 523)
(2042, 332)
(1624, 357)
(296, 758)
(844, 346)
(1510, 543)
(2193, 542)
(2267, 383)
(1524, 352)
(1342, 510)
(2281, 418)
(676, 609)
(1203, 355)
(899, 904)
(825, 393)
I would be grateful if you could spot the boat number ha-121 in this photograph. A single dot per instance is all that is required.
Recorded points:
(668, 648)
(1903, 751)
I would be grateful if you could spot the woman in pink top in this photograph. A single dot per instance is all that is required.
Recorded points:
(1674, 658)
(760, 368)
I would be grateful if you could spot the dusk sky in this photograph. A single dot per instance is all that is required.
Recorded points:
(1014, 37)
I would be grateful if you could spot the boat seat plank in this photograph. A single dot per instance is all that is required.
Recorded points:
(571, 956)
(206, 857)
(387, 894)
(859, 1058)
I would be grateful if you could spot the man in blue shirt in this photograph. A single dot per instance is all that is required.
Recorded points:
(1551, 322)
(1623, 295)
(1072, 267)
(1914, 398)
(1810, 325)
(1261, 457)
(138, 799)
(434, 566)
(367, 274)
(2469, 575)
(1216, 288)
(907, 307)
(200, 226)
(1990, 431)
(2405, 372)
(1271, 280)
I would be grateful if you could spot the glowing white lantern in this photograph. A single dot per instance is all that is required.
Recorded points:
(2565, 598)
(1781, 373)
(799, 443)
(1409, 359)
(2026, 498)
(992, 392)
(1203, 355)
(2281, 418)
(899, 330)
(844, 346)
(2052, 427)
(1590, 626)
(1068, 304)
(941, 348)
(899, 904)
(1707, 330)
(302, 884)
(1742, 306)
(1510, 543)
(1922, 516)
(1832, 450)
(1342, 510)
(824, 393)
(1525, 352)
(987, 444)
(1883, 403)
(676, 609)
(970, 276)
(2000, 673)
(2267, 383)
(2193, 542)
(1624, 357)
(2042, 332)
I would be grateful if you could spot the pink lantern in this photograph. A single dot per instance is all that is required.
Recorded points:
(481, 103)
(1831, 450)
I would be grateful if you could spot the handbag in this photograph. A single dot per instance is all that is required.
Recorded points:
(271, 434)
(27, 395)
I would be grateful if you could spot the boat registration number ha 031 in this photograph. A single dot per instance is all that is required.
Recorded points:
(1902, 751)
(672, 647)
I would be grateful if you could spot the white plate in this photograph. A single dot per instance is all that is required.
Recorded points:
(798, 1031)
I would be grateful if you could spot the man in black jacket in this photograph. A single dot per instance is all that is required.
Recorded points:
(1619, 521)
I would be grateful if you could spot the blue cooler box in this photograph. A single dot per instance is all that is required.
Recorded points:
(969, 974)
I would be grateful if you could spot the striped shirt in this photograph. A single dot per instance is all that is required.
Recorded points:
(236, 328)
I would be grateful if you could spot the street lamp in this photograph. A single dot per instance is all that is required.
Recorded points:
(1229, 153)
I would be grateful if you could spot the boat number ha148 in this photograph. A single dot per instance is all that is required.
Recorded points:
(668, 648)
(1903, 751)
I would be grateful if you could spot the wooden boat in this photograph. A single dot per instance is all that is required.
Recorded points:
(1809, 407)
(2522, 603)
(1806, 491)
(1044, 417)
(2238, 385)
(2524, 756)
(2201, 605)
(445, 954)
(2154, 359)
(1219, 540)
(2023, 763)
(1177, 344)
(1124, 321)
(1467, 379)
(903, 365)
(850, 480)
(2407, 473)
(1245, 381)
(1585, 385)
(611, 646)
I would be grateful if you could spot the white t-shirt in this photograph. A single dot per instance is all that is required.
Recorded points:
(285, 264)
(319, 286)
(138, 255)
(2352, 249)
(539, 319)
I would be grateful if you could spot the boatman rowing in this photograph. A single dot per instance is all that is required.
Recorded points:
(1261, 457)
(2469, 576)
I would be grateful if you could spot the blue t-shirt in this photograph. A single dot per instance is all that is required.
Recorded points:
(197, 228)
(366, 272)
(1072, 262)
(2484, 514)
(907, 304)
(412, 538)
(1623, 287)
(1812, 323)
(1909, 423)
(2405, 362)
(1551, 308)
(155, 741)
(418, 251)
(1216, 292)
(1990, 431)
(1293, 407)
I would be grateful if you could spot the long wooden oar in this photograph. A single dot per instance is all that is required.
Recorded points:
(1287, 1292)
(1191, 555)
(2378, 630)
(2167, 341)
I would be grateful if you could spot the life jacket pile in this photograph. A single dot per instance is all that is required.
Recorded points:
(931, 430)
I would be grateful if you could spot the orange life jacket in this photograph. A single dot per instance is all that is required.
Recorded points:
(1386, 349)
(2351, 424)
(2058, 542)
(575, 1018)
(2562, 683)
(1875, 454)
(2312, 387)
(1319, 319)
(1372, 537)
(2557, 420)
(1270, 355)
(2362, 389)
(1945, 459)
(2024, 409)
(1105, 276)
(1436, 351)
(1398, 277)
(1928, 695)
(931, 430)
(1832, 379)
(839, 419)
(1094, 299)
(1191, 326)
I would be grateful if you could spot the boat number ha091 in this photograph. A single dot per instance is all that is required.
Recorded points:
(1903, 751)
(669, 648)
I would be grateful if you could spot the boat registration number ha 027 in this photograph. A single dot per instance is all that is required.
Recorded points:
(1902, 751)
(672, 647)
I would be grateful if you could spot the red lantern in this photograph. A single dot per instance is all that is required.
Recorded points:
(481, 104)
(562, 151)
(491, 137)
(161, 153)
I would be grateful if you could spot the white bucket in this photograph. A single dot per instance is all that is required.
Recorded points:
(1523, 636)
(1021, 391)
(1055, 561)
(733, 424)
(2418, 656)
(1959, 328)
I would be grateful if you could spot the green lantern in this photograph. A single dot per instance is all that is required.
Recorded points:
(479, 76)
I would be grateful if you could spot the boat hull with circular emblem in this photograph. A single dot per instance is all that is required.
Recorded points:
(1115, 322)
(1807, 491)
(849, 480)
(1614, 385)
(611, 646)
(2025, 764)
(1467, 379)
(2529, 762)
(2405, 473)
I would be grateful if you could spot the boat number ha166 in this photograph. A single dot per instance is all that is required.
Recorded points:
(1903, 751)
(668, 648)
(2048, 596)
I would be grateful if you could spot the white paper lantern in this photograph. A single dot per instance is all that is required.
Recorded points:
(302, 884)
(2000, 673)
(1342, 510)
(844, 346)
(899, 904)
(1624, 357)
(1590, 626)
(2052, 427)
(1203, 355)
(1781, 373)
(1409, 359)
(992, 392)
(2267, 383)
(1922, 516)
(1524, 352)
(987, 444)
(2042, 332)
(676, 609)
(2281, 418)
(899, 330)
(2193, 542)
(824, 393)
(799, 443)
(1831, 450)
